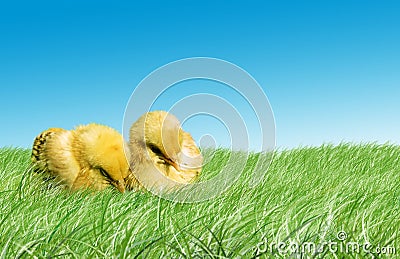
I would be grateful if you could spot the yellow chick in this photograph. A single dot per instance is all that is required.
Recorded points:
(157, 139)
(90, 156)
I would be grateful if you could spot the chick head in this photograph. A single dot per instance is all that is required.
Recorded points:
(103, 151)
(162, 136)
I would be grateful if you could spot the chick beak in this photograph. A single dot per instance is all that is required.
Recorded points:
(120, 185)
(174, 164)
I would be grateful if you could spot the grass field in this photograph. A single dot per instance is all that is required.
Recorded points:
(330, 201)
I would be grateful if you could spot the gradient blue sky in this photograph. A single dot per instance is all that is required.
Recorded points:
(331, 69)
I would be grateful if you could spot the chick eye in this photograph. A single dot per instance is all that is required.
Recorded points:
(104, 173)
(155, 149)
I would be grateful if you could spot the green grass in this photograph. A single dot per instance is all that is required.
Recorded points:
(307, 195)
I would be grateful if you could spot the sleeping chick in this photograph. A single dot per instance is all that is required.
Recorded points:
(157, 139)
(90, 156)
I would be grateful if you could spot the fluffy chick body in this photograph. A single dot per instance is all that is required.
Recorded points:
(158, 141)
(90, 156)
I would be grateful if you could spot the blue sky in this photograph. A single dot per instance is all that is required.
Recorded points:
(329, 68)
